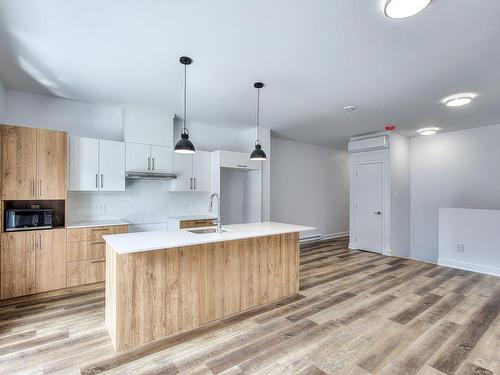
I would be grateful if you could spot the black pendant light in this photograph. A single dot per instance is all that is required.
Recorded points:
(185, 146)
(258, 153)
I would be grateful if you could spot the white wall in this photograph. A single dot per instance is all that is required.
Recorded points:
(78, 119)
(475, 233)
(457, 169)
(2, 100)
(400, 195)
(310, 186)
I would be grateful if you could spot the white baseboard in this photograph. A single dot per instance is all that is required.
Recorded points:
(319, 237)
(330, 236)
(495, 271)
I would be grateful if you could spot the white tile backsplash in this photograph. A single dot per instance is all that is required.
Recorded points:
(141, 199)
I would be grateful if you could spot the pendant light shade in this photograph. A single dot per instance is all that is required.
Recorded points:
(258, 153)
(185, 146)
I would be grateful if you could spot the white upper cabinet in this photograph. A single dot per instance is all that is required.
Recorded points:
(83, 164)
(193, 172)
(96, 165)
(183, 169)
(149, 158)
(238, 160)
(138, 157)
(111, 165)
(162, 159)
(148, 126)
(201, 171)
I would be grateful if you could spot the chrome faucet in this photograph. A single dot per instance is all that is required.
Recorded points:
(210, 209)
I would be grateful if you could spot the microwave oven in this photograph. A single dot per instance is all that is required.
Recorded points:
(28, 219)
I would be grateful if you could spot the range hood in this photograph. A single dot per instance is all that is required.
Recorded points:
(150, 176)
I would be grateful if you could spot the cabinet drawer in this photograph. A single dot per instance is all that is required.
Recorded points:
(94, 234)
(185, 224)
(81, 250)
(85, 272)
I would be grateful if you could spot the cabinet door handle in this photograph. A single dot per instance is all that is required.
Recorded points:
(33, 187)
(153, 164)
(98, 261)
(190, 183)
(39, 188)
(96, 181)
(194, 183)
(149, 163)
(102, 179)
(241, 166)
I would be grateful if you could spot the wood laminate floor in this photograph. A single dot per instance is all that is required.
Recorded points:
(357, 313)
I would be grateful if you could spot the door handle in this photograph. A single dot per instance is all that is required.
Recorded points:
(33, 188)
(190, 183)
(96, 180)
(149, 163)
(39, 188)
(377, 213)
(153, 164)
(194, 183)
(102, 178)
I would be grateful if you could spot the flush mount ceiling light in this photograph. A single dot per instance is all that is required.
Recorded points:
(428, 131)
(350, 108)
(405, 8)
(258, 153)
(185, 146)
(458, 100)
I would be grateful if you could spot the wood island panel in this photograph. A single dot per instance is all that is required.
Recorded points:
(153, 294)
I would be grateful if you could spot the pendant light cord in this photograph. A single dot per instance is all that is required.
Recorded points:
(258, 116)
(184, 130)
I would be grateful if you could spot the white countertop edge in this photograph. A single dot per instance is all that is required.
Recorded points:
(96, 223)
(159, 240)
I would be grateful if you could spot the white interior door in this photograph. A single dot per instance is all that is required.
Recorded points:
(369, 203)
(111, 165)
(83, 164)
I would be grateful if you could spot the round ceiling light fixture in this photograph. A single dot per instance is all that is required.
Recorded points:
(404, 8)
(350, 108)
(428, 131)
(458, 100)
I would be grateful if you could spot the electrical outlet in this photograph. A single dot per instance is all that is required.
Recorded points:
(102, 207)
(460, 248)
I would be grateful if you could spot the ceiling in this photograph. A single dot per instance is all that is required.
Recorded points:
(314, 56)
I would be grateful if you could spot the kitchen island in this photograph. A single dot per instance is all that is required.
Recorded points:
(166, 282)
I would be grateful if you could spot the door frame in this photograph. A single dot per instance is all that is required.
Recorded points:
(363, 158)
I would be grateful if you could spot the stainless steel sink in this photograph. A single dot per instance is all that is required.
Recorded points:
(205, 230)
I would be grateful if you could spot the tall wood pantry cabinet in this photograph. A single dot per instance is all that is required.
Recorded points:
(33, 163)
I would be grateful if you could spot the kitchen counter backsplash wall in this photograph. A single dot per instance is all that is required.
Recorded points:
(142, 201)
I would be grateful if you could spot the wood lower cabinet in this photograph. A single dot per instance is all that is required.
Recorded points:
(186, 224)
(86, 254)
(34, 163)
(32, 262)
(50, 260)
(17, 264)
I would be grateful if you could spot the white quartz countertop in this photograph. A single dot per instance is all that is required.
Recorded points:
(146, 241)
(95, 223)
